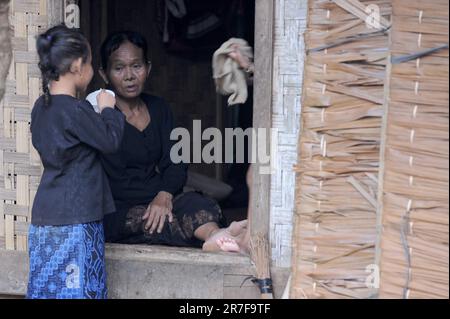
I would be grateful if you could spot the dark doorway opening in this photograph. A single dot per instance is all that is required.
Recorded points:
(181, 49)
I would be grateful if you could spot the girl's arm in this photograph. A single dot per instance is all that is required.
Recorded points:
(103, 131)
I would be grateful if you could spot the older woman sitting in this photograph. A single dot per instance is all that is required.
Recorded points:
(147, 186)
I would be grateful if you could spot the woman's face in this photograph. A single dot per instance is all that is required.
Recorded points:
(127, 71)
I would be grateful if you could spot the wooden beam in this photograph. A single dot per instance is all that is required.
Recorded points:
(264, 29)
(259, 206)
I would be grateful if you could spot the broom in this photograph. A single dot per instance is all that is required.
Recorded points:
(259, 252)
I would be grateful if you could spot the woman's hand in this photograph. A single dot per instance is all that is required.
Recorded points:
(105, 99)
(243, 61)
(157, 211)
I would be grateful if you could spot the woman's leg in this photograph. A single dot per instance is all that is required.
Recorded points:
(201, 216)
(197, 220)
(237, 237)
(133, 231)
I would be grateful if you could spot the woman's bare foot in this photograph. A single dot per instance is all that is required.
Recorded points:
(227, 239)
(228, 245)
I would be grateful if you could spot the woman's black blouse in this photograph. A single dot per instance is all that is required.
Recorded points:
(142, 167)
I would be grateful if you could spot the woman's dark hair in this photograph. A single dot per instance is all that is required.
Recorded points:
(57, 49)
(115, 40)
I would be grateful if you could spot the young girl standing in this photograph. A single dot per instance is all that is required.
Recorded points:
(66, 239)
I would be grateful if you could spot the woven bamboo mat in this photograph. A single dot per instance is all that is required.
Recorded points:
(339, 151)
(415, 211)
(19, 163)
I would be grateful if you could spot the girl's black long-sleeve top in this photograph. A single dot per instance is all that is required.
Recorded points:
(70, 136)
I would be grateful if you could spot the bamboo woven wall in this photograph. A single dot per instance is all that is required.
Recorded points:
(339, 152)
(20, 169)
(289, 54)
(415, 215)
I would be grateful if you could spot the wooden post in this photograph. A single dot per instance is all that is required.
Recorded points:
(259, 207)
(260, 200)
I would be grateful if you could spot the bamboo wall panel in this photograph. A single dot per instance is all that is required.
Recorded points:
(339, 151)
(20, 167)
(415, 211)
(288, 66)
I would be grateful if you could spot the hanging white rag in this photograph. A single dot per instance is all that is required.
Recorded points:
(228, 76)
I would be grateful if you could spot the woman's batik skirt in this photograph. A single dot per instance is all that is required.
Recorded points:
(67, 262)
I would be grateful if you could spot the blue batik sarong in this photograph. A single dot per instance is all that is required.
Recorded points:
(67, 262)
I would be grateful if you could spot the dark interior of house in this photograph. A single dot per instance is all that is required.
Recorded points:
(181, 46)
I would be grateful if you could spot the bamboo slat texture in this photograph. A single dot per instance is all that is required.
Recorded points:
(415, 208)
(339, 151)
(20, 167)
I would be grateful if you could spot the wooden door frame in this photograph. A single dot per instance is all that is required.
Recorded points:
(262, 115)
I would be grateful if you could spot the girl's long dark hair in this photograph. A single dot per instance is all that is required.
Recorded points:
(57, 49)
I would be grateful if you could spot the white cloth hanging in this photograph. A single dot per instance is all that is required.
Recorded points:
(228, 76)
